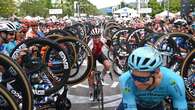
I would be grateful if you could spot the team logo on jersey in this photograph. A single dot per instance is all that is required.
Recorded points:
(126, 90)
(173, 82)
(176, 87)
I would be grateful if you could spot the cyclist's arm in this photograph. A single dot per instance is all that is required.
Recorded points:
(128, 97)
(177, 91)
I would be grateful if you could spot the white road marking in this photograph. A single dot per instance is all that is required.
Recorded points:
(84, 99)
(114, 85)
(105, 84)
(80, 85)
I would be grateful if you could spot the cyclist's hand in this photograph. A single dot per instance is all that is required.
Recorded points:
(21, 55)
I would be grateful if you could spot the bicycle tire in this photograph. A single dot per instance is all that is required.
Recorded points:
(9, 98)
(52, 44)
(170, 39)
(61, 32)
(98, 90)
(79, 43)
(102, 97)
(57, 37)
(117, 66)
(184, 73)
(22, 80)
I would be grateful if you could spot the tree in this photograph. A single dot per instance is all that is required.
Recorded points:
(7, 8)
(85, 7)
(192, 1)
(122, 5)
(156, 8)
(175, 5)
(88, 8)
(34, 8)
(41, 7)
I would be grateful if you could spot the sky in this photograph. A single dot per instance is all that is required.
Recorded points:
(106, 3)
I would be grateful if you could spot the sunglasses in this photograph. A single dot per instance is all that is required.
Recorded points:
(142, 79)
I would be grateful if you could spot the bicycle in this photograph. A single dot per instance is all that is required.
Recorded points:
(98, 89)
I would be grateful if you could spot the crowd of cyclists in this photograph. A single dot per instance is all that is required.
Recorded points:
(148, 54)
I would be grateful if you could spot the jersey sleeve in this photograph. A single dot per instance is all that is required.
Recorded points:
(177, 90)
(128, 96)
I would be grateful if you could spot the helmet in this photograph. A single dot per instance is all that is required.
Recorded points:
(180, 22)
(145, 59)
(33, 23)
(18, 26)
(7, 26)
(95, 32)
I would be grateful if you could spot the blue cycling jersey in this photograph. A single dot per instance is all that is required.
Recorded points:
(10, 46)
(3, 50)
(171, 85)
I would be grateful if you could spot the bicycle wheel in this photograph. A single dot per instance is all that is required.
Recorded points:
(101, 97)
(7, 100)
(84, 60)
(40, 71)
(69, 47)
(174, 47)
(98, 91)
(15, 77)
(188, 74)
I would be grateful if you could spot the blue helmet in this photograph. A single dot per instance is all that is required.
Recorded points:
(18, 25)
(145, 59)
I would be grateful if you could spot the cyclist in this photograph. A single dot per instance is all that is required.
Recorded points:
(7, 29)
(34, 32)
(7, 34)
(96, 44)
(148, 83)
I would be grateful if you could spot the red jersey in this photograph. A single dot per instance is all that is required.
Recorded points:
(97, 47)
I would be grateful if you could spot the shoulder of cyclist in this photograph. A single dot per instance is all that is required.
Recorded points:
(3, 50)
(176, 88)
(125, 83)
(10, 46)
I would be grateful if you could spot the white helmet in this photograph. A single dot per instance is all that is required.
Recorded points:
(95, 32)
(7, 26)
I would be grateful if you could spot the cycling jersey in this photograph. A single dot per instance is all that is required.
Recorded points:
(3, 50)
(10, 46)
(97, 48)
(171, 85)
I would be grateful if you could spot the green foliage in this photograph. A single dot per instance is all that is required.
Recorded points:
(122, 5)
(156, 8)
(7, 8)
(175, 5)
(41, 7)
(192, 1)
(34, 8)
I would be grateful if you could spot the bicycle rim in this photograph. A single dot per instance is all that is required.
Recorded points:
(9, 98)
